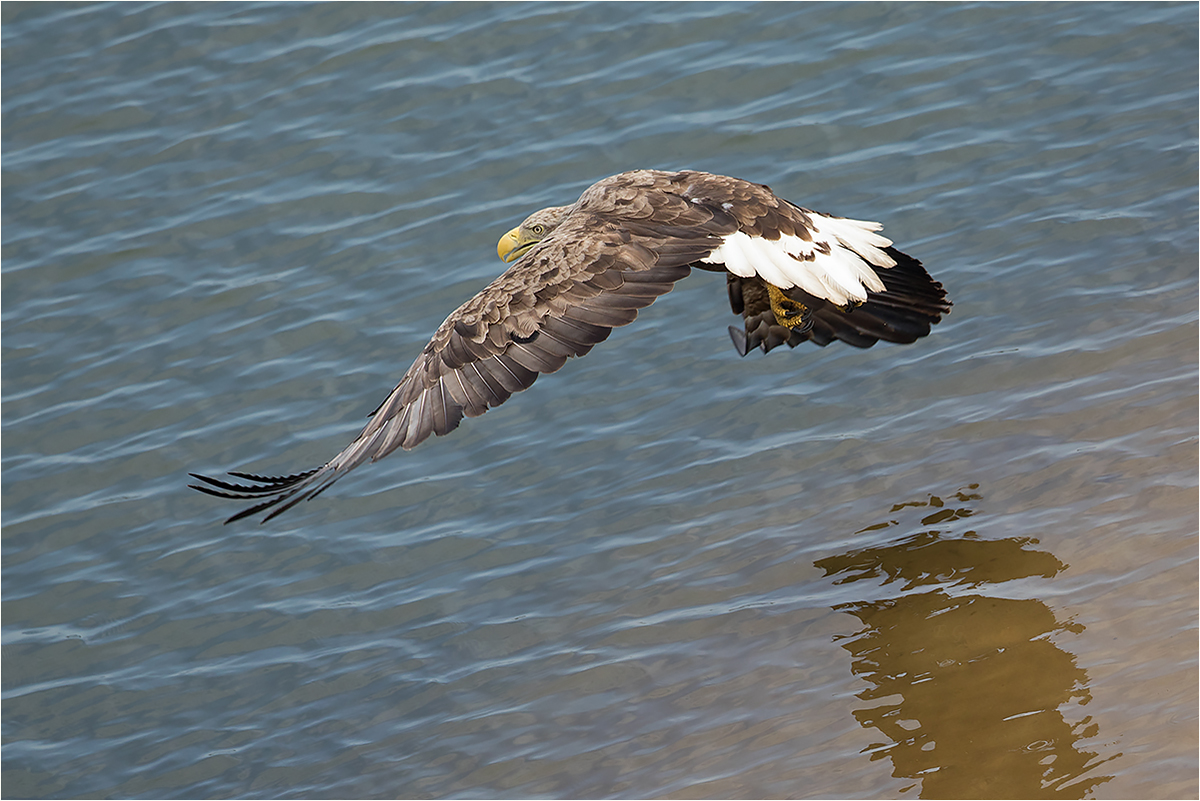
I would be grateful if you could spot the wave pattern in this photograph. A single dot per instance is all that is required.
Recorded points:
(228, 229)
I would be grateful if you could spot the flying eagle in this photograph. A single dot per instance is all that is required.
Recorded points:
(579, 271)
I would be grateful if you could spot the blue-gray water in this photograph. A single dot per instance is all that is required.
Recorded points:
(964, 567)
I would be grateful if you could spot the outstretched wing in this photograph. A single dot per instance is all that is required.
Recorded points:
(590, 275)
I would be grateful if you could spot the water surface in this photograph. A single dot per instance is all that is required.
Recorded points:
(965, 567)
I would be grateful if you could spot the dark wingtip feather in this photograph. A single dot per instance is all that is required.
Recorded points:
(292, 479)
(239, 491)
(253, 510)
(740, 342)
(274, 489)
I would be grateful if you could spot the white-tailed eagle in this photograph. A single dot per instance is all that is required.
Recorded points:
(581, 270)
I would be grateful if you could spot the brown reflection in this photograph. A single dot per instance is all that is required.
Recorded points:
(965, 685)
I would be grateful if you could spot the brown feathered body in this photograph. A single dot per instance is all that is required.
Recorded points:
(625, 242)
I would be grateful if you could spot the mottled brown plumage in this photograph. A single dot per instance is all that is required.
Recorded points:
(587, 268)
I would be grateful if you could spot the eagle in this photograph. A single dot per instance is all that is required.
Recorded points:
(578, 271)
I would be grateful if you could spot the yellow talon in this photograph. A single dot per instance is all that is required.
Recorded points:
(788, 312)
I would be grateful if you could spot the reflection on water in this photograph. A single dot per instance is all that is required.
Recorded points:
(947, 633)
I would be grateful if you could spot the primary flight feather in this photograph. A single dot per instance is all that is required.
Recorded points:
(579, 271)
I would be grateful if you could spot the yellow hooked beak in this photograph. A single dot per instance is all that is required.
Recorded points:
(512, 247)
(509, 245)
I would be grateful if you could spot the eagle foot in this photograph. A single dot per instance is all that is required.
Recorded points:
(789, 313)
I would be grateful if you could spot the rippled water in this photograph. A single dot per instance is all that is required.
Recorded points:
(965, 567)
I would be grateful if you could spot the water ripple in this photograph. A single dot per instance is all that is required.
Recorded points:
(227, 230)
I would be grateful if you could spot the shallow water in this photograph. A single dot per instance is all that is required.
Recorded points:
(965, 567)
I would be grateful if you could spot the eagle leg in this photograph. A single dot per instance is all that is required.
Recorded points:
(788, 312)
